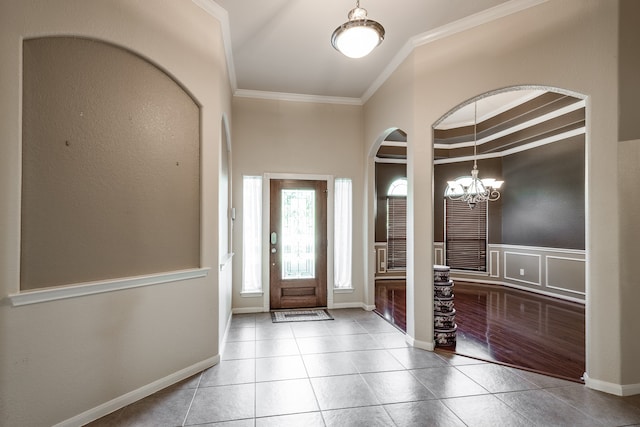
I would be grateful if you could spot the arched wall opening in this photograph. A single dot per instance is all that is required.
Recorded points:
(388, 234)
(534, 240)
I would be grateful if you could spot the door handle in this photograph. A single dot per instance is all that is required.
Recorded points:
(274, 238)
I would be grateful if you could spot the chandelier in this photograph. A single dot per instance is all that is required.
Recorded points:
(359, 35)
(471, 189)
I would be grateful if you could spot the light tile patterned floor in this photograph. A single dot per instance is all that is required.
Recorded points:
(357, 370)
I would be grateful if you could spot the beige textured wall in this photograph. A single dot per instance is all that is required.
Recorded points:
(110, 166)
(393, 110)
(297, 138)
(556, 44)
(61, 358)
(629, 159)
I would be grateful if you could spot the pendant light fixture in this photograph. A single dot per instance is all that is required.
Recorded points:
(472, 189)
(359, 35)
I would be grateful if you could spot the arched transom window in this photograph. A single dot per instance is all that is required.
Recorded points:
(398, 188)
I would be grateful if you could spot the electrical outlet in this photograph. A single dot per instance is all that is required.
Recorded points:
(522, 271)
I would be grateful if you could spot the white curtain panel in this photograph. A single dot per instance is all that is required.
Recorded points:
(343, 234)
(252, 234)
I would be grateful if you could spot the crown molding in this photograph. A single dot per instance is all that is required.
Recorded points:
(472, 21)
(483, 17)
(215, 10)
(282, 96)
(447, 30)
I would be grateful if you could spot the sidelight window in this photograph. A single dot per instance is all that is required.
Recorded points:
(252, 234)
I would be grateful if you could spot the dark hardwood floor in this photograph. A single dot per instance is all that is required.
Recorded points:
(391, 302)
(504, 325)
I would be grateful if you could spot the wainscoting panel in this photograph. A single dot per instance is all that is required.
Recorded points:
(438, 253)
(549, 271)
(381, 257)
(523, 267)
(494, 263)
(566, 274)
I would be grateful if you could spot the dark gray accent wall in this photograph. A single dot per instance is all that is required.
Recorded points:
(543, 196)
(386, 173)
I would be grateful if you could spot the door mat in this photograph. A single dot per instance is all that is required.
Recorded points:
(300, 316)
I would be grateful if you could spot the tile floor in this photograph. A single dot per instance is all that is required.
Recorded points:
(357, 370)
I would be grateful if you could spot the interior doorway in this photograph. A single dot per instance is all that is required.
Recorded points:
(533, 139)
(298, 243)
(390, 236)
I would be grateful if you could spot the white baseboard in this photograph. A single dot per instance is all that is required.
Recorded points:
(135, 395)
(519, 287)
(630, 389)
(353, 305)
(248, 310)
(223, 340)
(424, 345)
(611, 388)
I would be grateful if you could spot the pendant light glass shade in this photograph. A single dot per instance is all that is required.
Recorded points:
(359, 35)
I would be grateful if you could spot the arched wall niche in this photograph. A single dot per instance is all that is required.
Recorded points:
(110, 165)
(226, 219)
(225, 192)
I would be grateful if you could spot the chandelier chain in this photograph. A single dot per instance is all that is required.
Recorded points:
(472, 189)
(475, 134)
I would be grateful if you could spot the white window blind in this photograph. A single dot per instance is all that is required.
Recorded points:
(342, 234)
(396, 233)
(252, 234)
(466, 235)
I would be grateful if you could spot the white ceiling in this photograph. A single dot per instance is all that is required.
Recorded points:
(283, 46)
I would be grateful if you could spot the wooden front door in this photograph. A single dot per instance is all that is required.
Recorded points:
(298, 244)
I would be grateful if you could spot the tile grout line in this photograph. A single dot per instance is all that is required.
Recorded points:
(184, 421)
(313, 390)
(255, 371)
